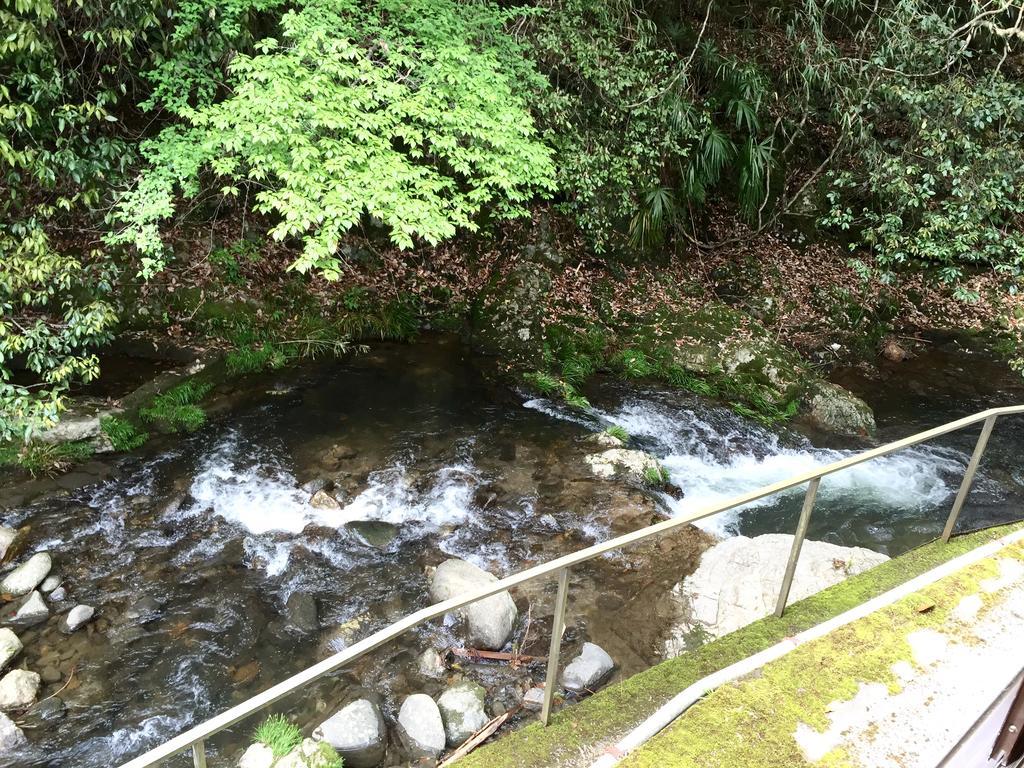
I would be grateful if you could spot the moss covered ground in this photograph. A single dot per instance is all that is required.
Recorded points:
(606, 716)
(752, 722)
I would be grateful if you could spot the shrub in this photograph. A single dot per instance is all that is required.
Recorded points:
(176, 409)
(123, 435)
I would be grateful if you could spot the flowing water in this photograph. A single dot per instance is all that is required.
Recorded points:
(199, 552)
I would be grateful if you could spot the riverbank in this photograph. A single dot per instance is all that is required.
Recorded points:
(577, 735)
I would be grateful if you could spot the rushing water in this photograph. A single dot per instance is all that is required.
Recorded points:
(194, 551)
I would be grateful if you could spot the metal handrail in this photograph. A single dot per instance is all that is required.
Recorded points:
(195, 738)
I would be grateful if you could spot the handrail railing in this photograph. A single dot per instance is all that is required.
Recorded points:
(195, 738)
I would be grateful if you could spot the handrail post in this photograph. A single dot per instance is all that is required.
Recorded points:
(965, 484)
(199, 754)
(798, 541)
(557, 627)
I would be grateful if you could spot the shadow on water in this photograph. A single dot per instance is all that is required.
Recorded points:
(214, 576)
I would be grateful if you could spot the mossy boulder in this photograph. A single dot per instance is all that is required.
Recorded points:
(833, 409)
(508, 318)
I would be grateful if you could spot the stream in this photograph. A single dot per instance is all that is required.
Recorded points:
(201, 553)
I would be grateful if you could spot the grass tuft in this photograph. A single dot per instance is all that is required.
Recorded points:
(618, 433)
(278, 734)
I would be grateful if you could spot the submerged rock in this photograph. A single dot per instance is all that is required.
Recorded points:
(834, 409)
(376, 533)
(588, 669)
(420, 727)
(8, 536)
(27, 576)
(76, 617)
(431, 664)
(636, 465)
(738, 581)
(27, 612)
(11, 736)
(357, 732)
(258, 755)
(301, 612)
(490, 620)
(18, 690)
(462, 711)
(10, 646)
(534, 699)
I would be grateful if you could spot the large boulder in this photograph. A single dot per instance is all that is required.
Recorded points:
(10, 646)
(420, 727)
(357, 732)
(18, 690)
(462, 711)
(738, 581)
(508, 317)
(834, 409)
(490, 620)
(588, 669)
(27, 576)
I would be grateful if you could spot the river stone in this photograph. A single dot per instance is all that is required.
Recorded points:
(27, 576)
(143, 610)
(738, 581)
(462, 711)
(376, 533)
(431, 664)
(309, 754)
(635, 465)
(27, 612)
(50, 583)
(46, 711)
(587, 670)
(11, 736)
(420, 727)
(58, 594)
(301, 612)
(534, 699)
(8, 536)
(18, 689)
(76, 618)
(10, 646)
(258, 755)
(834, 409)
(490, 620)
(324, 500)
(357, 732)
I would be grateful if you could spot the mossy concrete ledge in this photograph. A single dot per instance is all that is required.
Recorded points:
(579, 732)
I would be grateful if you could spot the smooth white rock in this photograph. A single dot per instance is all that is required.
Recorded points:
(7, 537)
(534, 699)
(490, 620)
(307, 755)
(738, 581)
(27, 576)
(431, 664)
(76, 618)
(11, 736)
(588, 669)
(10, 646)
(257, 756)
(462, 711)
(18, 689)
(357, 732)
(420, 726)
(28, 612)
(50, 583)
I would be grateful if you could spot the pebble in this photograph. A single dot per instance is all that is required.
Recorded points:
(75, 618)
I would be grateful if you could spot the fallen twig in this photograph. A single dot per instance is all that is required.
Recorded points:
(479, 737)
(473, 653)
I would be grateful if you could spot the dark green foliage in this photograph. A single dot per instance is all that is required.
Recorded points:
(252, 359)
(123, 435)
(618, 432)
(551, 386)
(176, 410)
